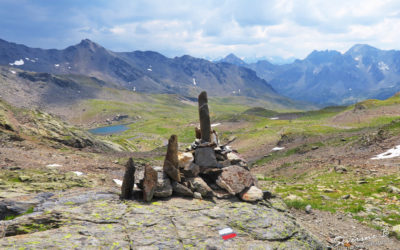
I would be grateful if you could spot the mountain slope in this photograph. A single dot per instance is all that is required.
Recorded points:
(329, 77)
(140, 71)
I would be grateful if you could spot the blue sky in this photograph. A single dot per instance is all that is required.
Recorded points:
(208, 29)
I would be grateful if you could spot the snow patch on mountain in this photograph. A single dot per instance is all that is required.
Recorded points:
(383, 66)
(17, 62)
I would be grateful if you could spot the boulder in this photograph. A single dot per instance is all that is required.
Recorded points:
(181, 189)
(393, 189)
(149, 183)
(197, 195)
(171, 161)
(200, 186)
(396, 230)
(252, 194)
(205, 157)
(191, 171)
(340, 169)
(129, 180)
(185, 159)
(234, 158)
(164, 187)
(235, 179)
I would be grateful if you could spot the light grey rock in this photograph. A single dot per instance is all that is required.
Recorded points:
(164, 187)
(252, 194)
(200, 186)
(393, 189)
(308, 209)
(197, 195)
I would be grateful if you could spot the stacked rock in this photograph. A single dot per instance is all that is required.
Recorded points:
(207, 169)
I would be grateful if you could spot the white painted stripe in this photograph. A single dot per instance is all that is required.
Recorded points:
(227, 230)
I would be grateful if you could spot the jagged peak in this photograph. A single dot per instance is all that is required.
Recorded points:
(361, 48)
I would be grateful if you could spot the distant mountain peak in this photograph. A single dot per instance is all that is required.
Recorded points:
(233, 59)
(361, 49)
(88, 44)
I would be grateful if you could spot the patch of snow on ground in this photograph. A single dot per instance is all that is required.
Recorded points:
(274, 118)
(54, 165)
(56, 65)
(78, 173)
(149, 69)
(194, 82)
(118, 182)
(215, 124)
(391, 153)
(278, 148)
(12, 71)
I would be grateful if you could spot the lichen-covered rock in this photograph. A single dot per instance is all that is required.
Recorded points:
(235, 179)
(87, 219)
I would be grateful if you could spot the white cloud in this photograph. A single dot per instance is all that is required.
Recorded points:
(213, 28)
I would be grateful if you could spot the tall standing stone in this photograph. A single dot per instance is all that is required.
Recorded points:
(171, 162)
(149, 183)
(129, 180)
(205, 125)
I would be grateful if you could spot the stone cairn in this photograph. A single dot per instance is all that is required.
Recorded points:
(207, 169)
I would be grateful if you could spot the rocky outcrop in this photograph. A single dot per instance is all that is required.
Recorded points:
(235, 179)
(99, 219)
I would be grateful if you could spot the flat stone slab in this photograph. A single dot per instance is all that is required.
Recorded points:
(175, 223)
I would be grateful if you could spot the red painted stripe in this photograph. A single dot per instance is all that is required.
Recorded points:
(229, 236)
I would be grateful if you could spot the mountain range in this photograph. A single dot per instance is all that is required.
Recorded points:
(330, 77)
(142, 71)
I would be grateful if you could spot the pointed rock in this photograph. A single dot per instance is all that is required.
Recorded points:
(129, 180)
(150, 183)
(171, 161)
(204, 114)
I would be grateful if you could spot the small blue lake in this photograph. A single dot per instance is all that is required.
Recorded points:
(108, 130)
